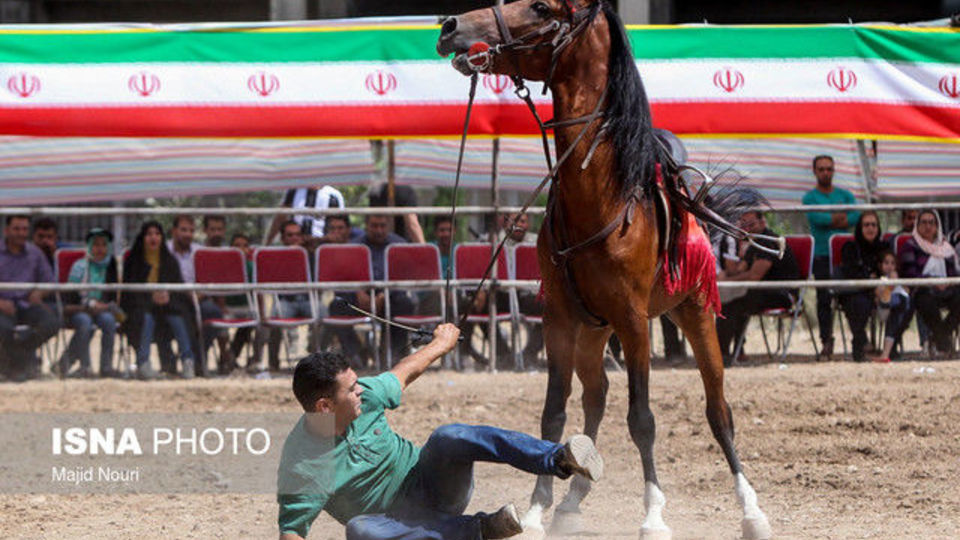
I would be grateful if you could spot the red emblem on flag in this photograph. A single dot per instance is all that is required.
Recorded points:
(381, 82)
(729, 79)
(842, 79)
(496, 83)
(263, 83)
(23, 84)
(948, 86)
(144, 83)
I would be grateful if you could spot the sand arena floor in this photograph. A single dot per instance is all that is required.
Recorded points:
(834, 450)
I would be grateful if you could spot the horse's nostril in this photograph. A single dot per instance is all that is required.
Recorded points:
(449, 26)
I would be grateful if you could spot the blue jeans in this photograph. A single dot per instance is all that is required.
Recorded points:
(177, 325)
(83, 327)
(438, 489)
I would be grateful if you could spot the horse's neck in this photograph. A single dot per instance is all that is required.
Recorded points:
(588, 197)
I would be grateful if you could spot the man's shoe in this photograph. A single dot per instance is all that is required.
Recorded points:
(580, 456)
(503, 523)
(188, 371)
(145, 372)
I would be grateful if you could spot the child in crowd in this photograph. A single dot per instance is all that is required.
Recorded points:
(893, 305)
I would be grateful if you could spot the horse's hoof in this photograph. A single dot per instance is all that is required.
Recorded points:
(566, 523)
(757, 528)
(532, 521)
(655, 534)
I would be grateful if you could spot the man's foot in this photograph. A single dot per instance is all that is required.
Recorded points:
(503, 523)
(826, 351)
(145, 372)
(580, 456)
(188, 369)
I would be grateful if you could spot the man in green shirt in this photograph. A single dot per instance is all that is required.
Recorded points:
(822, 226)
(343, 457)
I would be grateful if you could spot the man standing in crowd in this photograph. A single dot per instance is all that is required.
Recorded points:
(46, 238)
(757, 266)
(406, 226)
(23, 262)
(310, 225)
(908, 219)
(822, 226)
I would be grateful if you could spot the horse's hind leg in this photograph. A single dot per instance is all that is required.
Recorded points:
(700, 329)
(588, 360)
(560, 333)
(636, 348)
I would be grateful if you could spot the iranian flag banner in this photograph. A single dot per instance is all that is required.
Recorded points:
(376, 79)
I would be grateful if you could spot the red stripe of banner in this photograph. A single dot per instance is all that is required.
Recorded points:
(447, 120)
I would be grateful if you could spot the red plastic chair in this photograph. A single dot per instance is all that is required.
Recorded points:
(900, 241)
(342, 263)
(526, 266)
(802, 247)
(284, 265)
(413, 262)
(223, 266)
(63, 260)
(470, 261)
(837, 241)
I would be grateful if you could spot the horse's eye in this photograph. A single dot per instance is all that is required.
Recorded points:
(542, 9)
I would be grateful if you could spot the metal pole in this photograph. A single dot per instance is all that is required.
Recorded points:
(866, 170)
(391, 173)
(492, 296)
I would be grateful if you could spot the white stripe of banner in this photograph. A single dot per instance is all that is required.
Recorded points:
(373, 83)
(247, 84)
(780, 80)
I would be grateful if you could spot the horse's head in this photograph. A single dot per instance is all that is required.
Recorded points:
(522, 38)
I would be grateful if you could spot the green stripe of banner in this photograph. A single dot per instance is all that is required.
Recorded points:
(419, 44)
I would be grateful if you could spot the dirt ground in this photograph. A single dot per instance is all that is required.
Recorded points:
(834, 450)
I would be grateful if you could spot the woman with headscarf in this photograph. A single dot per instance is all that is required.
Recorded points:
(151, 262)
(928, 254)
(859, 259)
(91, 309)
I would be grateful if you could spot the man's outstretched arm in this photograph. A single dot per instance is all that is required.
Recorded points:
(444, 340)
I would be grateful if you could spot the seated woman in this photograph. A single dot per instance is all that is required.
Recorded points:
(92, 309)
(893, 302)
(860, 259)
(151, 262)
(927, 254)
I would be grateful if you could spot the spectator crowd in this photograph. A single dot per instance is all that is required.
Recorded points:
(845, 245)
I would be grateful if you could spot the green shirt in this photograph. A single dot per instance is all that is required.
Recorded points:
(360, 472)
(820, 221)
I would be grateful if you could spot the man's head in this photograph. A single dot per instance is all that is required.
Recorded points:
(182, 232)
(337, 229)
(378, 227)
(520, 228)
(16, 231)
(215, 229)
(241, 242)
(823, 170)
(908, 220)
(443, 232)
(323, 382)
(291, 234)
(753, 222)
(45, 235)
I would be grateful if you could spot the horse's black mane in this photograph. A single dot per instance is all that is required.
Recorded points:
(628, 114)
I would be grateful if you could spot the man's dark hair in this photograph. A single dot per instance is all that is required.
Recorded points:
(316, 376)
(211, 217)
(822, 156)
(239, 235)
(12, 217)
(442, 219)
(181, 217)
(45, 224)
(287, 223)
(337, 217)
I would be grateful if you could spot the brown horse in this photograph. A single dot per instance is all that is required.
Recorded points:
(619, 244)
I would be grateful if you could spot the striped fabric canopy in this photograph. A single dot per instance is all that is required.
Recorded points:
(926, 171)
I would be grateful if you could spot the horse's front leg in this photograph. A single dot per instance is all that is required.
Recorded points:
(700, 328)
(635, 337)
(588, 363)
(560, 332)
